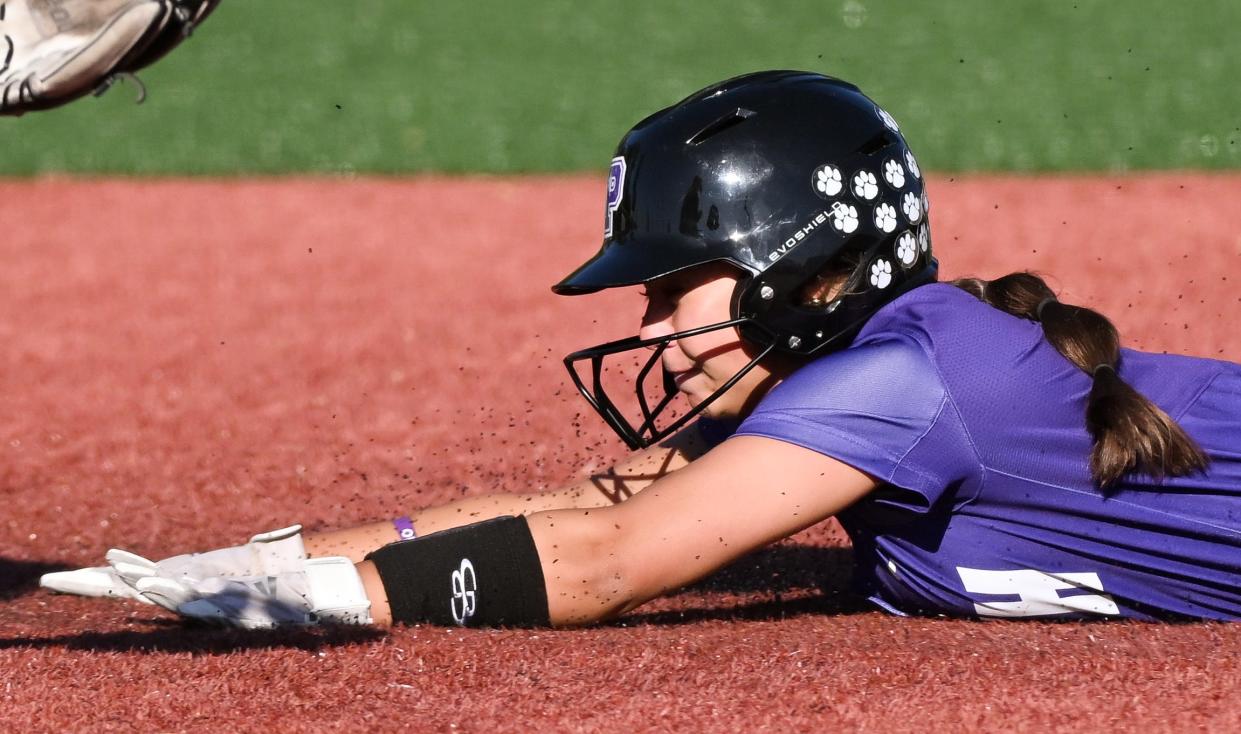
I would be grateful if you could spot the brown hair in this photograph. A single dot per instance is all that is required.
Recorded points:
(832, 280)
(1130, 432)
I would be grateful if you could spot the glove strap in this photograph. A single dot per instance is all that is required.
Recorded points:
(336, 592)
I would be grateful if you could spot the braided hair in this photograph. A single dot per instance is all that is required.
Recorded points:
(1130, 432)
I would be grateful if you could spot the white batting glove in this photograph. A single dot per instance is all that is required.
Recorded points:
(323, 590)
(266, 553)
(94, 581)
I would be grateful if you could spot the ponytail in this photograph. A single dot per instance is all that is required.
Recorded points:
(1130, 432)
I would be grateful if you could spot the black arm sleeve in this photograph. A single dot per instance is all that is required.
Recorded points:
(480, 575)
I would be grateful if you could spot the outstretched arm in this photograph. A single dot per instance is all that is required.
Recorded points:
(748, 492)
(273, 552)
(626, 478)
(559, 567)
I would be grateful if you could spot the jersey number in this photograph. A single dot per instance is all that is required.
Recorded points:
(1039, 592)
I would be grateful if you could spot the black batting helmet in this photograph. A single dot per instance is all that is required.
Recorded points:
(781, 174)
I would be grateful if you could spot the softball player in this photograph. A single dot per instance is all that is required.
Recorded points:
(991, 450)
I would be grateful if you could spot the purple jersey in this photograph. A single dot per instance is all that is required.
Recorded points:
(975, 426)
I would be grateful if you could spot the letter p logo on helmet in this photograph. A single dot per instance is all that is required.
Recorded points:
(616, 189)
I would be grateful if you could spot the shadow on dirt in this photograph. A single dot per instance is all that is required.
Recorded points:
(817, 578)
(179, 637)
(783, 568)
(21, 577)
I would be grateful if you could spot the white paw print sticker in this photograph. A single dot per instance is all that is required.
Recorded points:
(881, 274)
(844, 218)
(906, 249)
(827, 180)
(888, 120)
(926, 204)
(865, 186)
(885, 217)
(912, 206)
(893, 173)
(913, 165)
(924, 238)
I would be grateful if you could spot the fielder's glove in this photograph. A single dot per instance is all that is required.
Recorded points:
(266, 553)
(320, 590)
(54, 51)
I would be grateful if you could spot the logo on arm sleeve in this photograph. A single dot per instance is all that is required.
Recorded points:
(464, 588)
(1038, 593)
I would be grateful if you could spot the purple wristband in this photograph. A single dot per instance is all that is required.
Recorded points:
(404, 528)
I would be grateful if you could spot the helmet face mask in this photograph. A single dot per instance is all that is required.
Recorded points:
(781, 174)
(649, 431)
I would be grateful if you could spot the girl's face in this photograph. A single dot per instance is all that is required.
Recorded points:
(700, 364)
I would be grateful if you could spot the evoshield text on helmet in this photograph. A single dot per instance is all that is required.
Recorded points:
(780, 174)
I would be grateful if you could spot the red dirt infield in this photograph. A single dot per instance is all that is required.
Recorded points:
(186, 363)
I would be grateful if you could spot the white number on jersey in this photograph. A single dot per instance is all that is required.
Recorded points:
(1038, 592)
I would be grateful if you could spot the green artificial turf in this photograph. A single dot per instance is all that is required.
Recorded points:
(391, 86)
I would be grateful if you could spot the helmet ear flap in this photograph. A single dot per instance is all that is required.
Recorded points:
(782, 299)
(778, 298)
